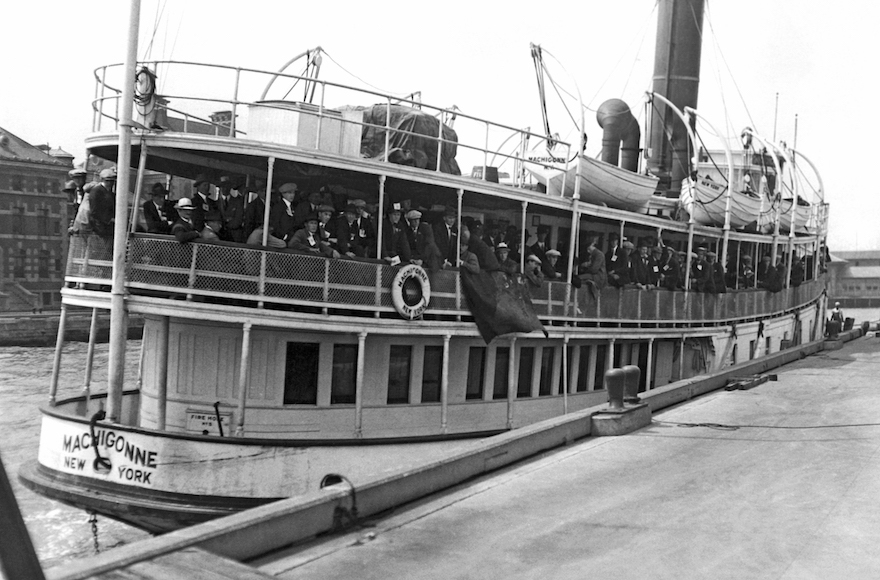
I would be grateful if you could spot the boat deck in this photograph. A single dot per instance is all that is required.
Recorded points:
(773, 482)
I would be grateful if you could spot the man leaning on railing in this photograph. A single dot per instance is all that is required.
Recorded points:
(184, 229)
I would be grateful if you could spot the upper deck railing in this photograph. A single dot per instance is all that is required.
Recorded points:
(227, 101)
(206, 271)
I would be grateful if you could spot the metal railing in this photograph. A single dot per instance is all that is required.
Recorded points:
(256, 276)
(238, 89)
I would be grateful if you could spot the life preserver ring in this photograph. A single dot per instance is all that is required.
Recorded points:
(411, 291)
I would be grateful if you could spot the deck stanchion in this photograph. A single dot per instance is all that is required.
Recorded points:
(649, 366)
(235, 102)
(138, 185)
(380, 219)
(565, 374)
(522, 238)
(359, 386)
(387, 128)
(59, 345)
(90, 355)
(511, 381)
(162, 372)
(681, 359)
(243, 371)
(592, 361)
(609, 356)
(140, 375)
(458, 259)
(444, 385)
(440, 140)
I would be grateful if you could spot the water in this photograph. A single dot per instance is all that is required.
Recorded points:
(59, 533)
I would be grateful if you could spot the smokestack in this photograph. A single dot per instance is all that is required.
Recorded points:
(676, 77)
(619, 126)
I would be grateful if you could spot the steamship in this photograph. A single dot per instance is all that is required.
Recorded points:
(266, 373)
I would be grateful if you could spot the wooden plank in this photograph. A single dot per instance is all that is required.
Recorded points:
(187, 564)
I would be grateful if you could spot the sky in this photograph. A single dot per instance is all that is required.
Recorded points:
(813, 54)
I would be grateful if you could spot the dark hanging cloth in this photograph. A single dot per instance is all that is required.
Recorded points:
(500, 303)
(413, 138)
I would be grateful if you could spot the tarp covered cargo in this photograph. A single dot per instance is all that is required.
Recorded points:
(413, 139)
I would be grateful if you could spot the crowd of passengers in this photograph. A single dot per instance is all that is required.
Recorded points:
(309, 222)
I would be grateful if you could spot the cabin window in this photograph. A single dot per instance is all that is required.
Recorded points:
(769, 345)
(526, 364)
(583, 367)
(601, 356)
(475, 373)
(547, 356)
(502, 362)
(301, 374)
(432, 374)
(733, 352)
(343, 386)
(398, 374)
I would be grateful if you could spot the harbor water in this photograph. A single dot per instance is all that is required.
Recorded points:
(62, 533)
(59, 533)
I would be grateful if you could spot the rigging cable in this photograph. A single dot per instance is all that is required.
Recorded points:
(325, 53)
(149, 50)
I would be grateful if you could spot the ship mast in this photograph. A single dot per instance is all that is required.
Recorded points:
(118, 322)
(676, 77)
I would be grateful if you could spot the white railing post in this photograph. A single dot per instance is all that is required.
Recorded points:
(59, 346)
(359, 386)
(444, 385)
(162, 373)
(439, 141)
(232, 131)
(387, 129)
(243, 370)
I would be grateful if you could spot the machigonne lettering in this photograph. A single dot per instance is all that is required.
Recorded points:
(110, 440)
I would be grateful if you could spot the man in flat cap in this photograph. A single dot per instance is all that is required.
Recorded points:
(421, 242)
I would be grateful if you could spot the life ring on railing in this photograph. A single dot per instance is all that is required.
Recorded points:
(411, 291)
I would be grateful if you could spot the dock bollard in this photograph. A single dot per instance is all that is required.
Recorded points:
(832, 329)
(631, 376)
(614, 379)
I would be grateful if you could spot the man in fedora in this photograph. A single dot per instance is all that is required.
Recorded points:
(446, 237)
(395, 248)
(159, 213)
(102, 204)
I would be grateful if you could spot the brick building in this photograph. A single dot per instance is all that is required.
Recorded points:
(33, 224)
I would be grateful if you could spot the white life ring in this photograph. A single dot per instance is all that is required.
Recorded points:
(411, 291)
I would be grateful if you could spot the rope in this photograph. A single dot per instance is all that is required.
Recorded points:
(100, 462)
(725, 427)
